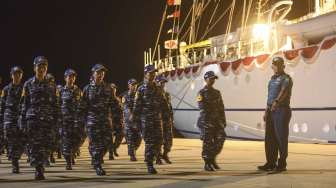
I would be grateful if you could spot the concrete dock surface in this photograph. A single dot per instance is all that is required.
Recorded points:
(309, 165)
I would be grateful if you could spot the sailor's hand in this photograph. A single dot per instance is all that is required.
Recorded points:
(274, 106)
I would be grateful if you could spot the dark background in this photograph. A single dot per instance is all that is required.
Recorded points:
(79, 33)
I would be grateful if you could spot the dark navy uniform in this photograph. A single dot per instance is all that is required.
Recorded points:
(277, 119)
(133, 135)
(97, 103)
(38, 114)
(211, 122)
(9, 110)
(148, 105)
(70, 130)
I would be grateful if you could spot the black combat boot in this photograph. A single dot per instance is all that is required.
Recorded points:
(150, 168)
(39, 173)
(207, 166)
(133, 158)
(166, 158)
(99, 170)
(214, 164)
(68, 162)
(111, 156)
(267, 167)
(115, 152)
(59, 155)
(158, 159)
(15, 167)
(52, 158)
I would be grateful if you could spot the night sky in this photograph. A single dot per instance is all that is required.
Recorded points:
(79, 33)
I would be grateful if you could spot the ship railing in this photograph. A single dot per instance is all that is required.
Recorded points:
(228, 53)
(321, 11)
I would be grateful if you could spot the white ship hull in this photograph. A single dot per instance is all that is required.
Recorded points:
(244, 91)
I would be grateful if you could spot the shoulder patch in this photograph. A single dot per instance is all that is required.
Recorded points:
(2, 93)
(123, 100)
(199, 98)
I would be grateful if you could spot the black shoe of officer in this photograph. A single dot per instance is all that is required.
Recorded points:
(133, 158)
(39, 174)
(111, 157)
(214, 164)
(15, 167)
(281, 168)
(266, 167)
(166, 158)
(208, 167)
(151, 169)
(100, 171)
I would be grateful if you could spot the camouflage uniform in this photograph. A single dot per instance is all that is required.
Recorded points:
(117, 126)
(37, 114)
(70, 130)
(167, 125)
(133, 135)
(1, 127)
(97, 104)
(56, 139)
(9, 110)
(147, 112)
(211, 123)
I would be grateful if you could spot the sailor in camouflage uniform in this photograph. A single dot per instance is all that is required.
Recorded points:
(211, 121)
(117, 125)
(97, 104)
(9, 110)
(133, 135)
(167, 122)
(38, 112)
(55, 146)
(148, 108)
(70, 96)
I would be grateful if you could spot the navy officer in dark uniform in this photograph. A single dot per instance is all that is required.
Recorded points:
(211, 122)
(277, 117)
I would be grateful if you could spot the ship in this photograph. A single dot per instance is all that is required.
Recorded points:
(242, 61)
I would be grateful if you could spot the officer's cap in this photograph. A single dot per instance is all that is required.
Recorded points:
(132, 81)
(149, 68)
(210, 74)
(161, 78)
(98, 67)
(16, 69)
(278, 61)
(69, 72)
(40, 60)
